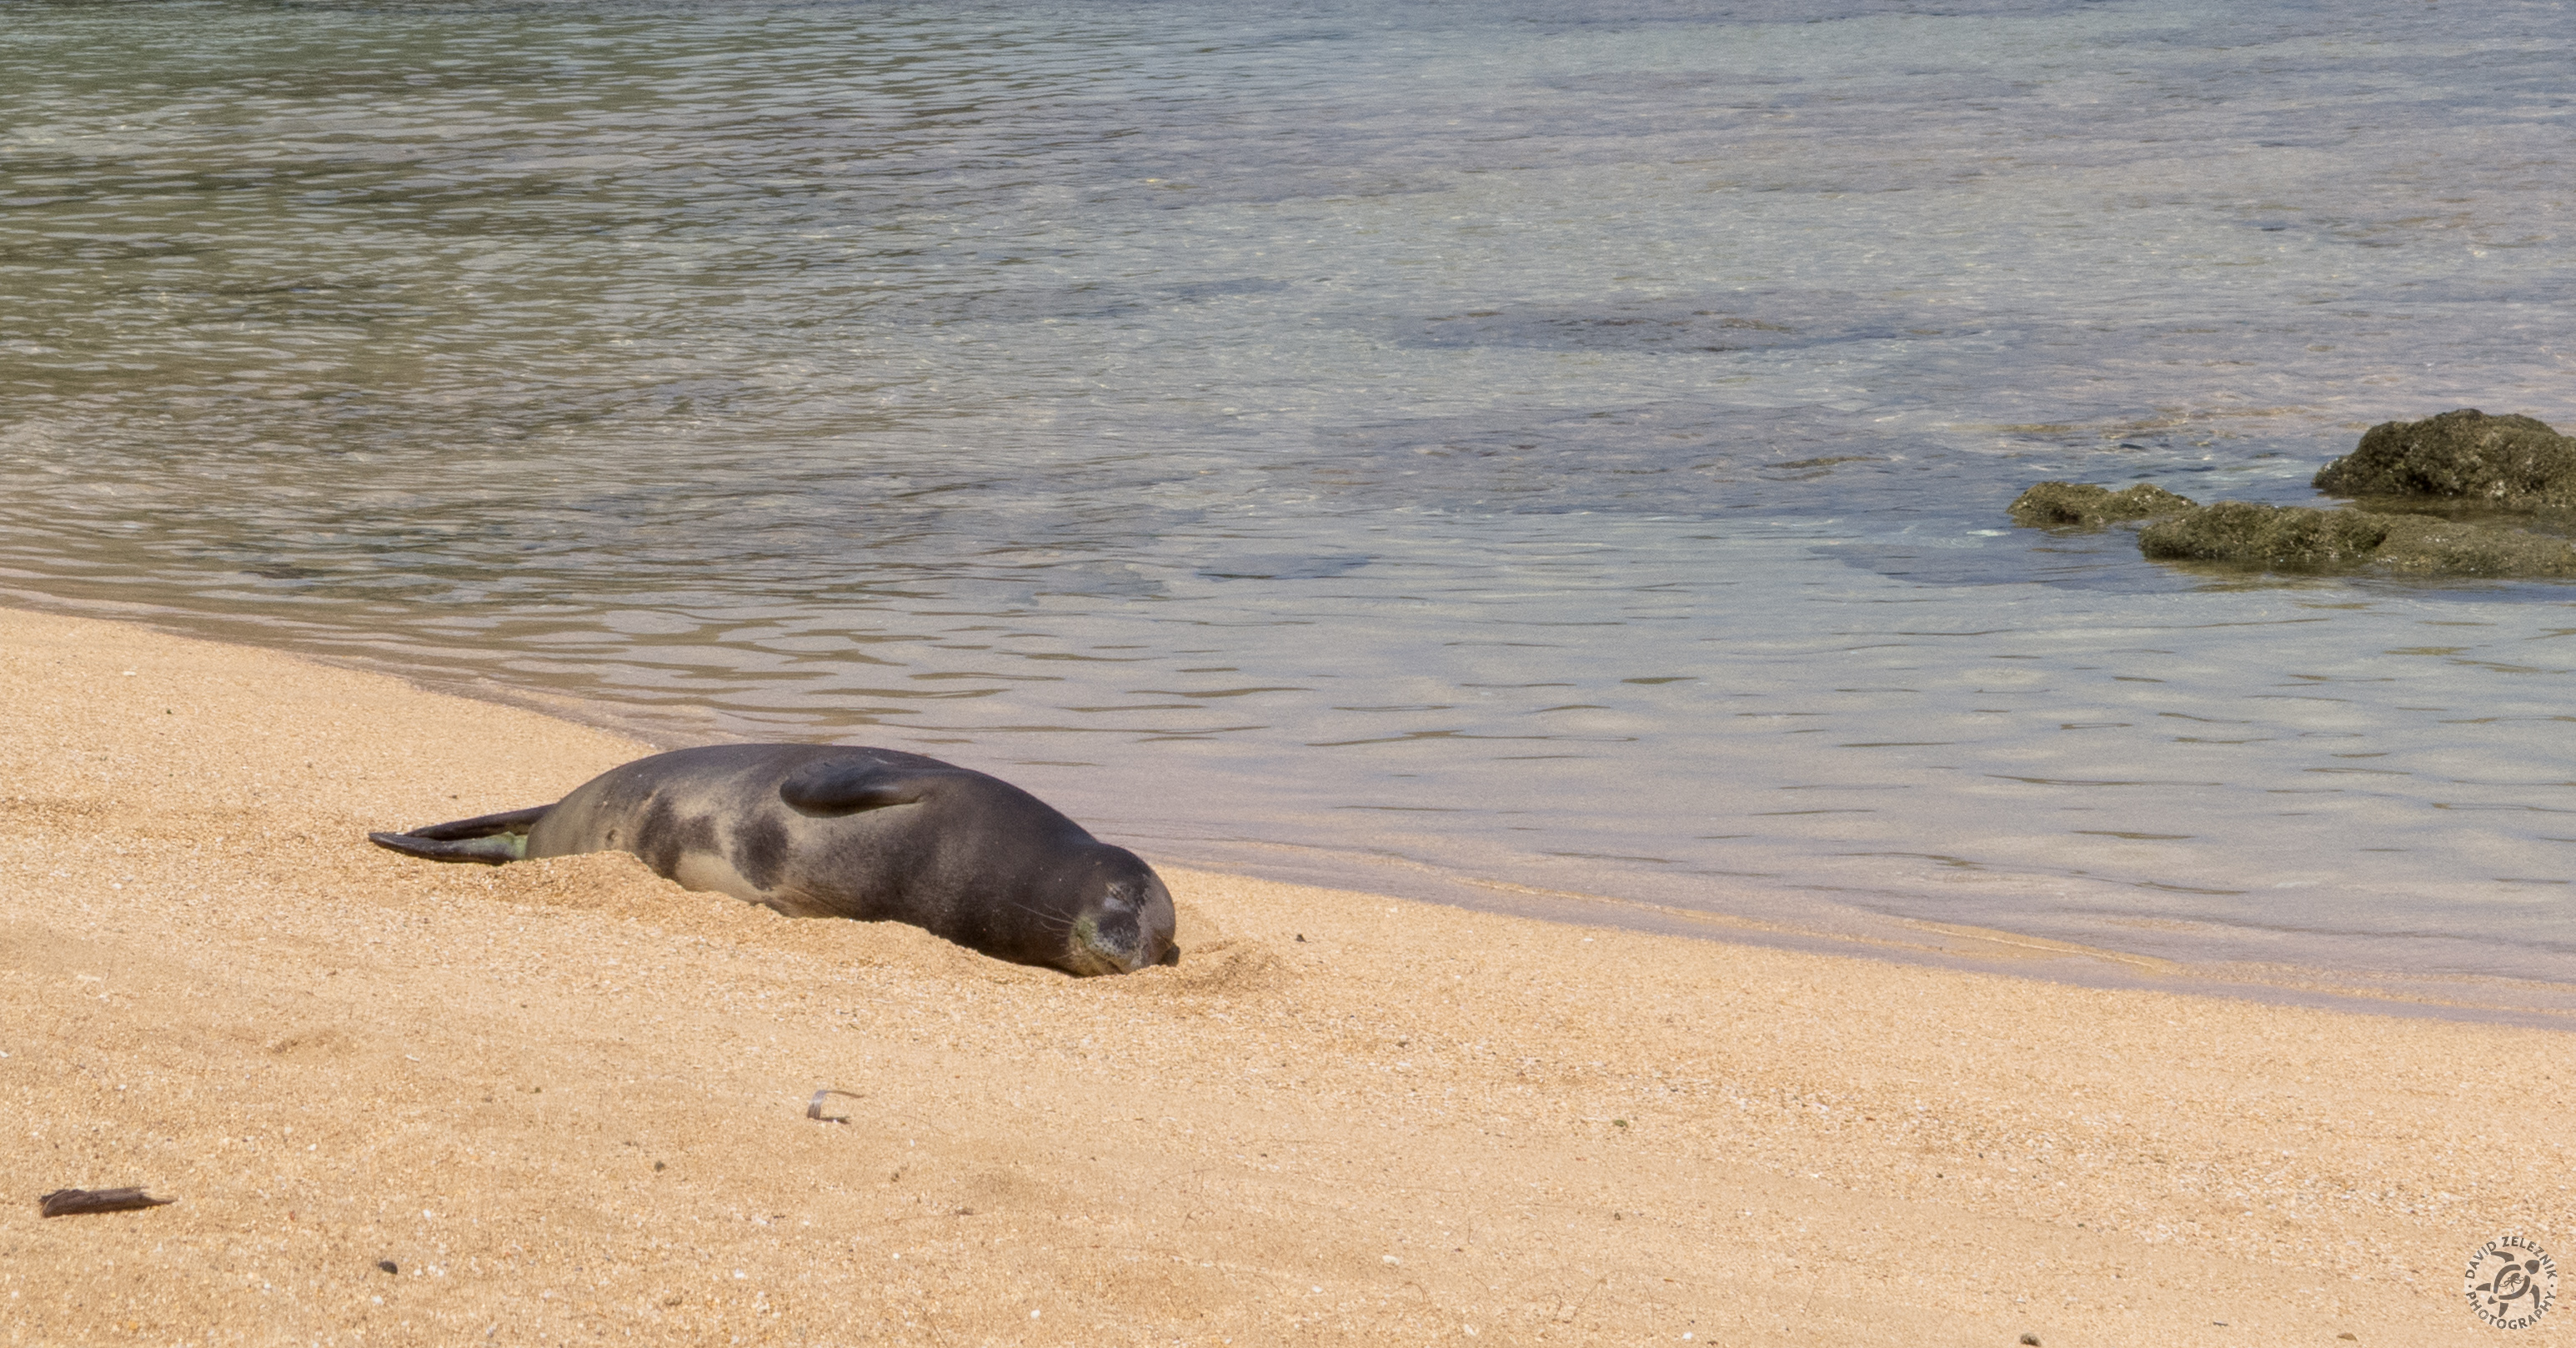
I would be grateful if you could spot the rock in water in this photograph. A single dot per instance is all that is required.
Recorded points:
(2420, 545)
(2062, 503)
(2300, 539)
(2457, 459)
(2517, 462)
(2287, 536)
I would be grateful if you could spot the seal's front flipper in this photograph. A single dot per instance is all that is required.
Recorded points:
(846, 786)
(489, 839)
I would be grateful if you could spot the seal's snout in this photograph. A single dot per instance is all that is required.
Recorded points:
(1127, 927)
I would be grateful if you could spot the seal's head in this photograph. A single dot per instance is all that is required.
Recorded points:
(1123, 919)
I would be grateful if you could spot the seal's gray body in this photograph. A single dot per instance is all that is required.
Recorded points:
(818, 830)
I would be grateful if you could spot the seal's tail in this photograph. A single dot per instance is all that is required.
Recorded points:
(488, 839)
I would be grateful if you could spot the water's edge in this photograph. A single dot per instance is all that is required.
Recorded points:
(1747, 916)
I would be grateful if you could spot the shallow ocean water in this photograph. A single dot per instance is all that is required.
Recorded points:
(1406, 447)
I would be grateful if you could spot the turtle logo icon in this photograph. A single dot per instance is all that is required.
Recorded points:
(2511, 1282)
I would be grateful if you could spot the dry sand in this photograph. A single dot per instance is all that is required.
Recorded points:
(565, 1101)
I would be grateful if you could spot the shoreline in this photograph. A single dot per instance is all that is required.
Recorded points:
(565, 1098)
(1848, 930)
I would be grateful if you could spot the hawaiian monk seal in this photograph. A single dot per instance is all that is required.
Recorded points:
(821, 830)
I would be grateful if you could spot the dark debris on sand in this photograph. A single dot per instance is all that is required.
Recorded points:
(81, 1202)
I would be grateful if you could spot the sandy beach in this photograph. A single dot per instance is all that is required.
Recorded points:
(561, 1101)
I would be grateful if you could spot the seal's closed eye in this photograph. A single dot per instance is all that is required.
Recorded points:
(846, 788)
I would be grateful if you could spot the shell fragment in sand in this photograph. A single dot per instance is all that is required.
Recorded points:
(814, 1107)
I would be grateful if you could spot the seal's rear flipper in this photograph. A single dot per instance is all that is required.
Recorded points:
(482, 825)
(490, 851)
(489, 839)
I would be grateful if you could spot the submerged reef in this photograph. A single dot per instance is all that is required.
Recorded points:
(2456, 459)
(2519, 463)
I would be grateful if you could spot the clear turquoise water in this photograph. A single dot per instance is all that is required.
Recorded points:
(1406, 446)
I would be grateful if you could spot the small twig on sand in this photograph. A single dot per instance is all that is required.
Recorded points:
(75, 1202)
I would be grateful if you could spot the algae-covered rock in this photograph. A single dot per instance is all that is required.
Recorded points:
(2420, 545)
(2060, 503)
(2516, 462)
(2465, 462)
(2288, 536)
(2298, 538)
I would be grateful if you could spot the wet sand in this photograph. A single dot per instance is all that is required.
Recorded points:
(406, 1103)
